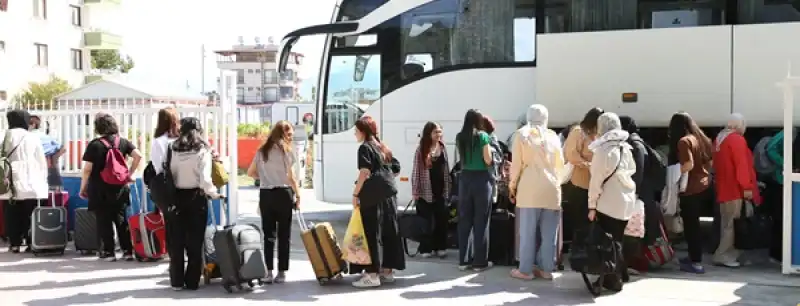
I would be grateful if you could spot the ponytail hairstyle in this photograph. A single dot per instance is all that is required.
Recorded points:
(367, 126)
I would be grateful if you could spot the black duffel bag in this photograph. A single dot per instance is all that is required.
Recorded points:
(751, 232)
(594, 252)
(413, 227)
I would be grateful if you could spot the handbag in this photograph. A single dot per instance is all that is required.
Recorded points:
(219, 176)
(380, 185)
(162, 186)
(414, 227)
(751, 230)
(593, 251)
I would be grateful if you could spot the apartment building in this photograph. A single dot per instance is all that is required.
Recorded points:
(39, 38)
(258, 81)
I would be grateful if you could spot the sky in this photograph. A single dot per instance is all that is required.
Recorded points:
(165, 37)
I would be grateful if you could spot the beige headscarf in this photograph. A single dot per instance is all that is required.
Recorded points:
(736, 124)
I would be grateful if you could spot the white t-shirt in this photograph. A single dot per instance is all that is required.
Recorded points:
(158, 151)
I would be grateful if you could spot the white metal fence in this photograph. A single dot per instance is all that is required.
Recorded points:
(73, 127)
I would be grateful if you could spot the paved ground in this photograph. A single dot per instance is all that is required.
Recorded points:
(72, 280)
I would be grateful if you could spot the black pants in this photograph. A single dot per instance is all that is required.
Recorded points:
(385, 245)
(17, 214)
(616, 228)
(576, 210)
(773, 198)
(109, 216)
(276, 207)
(186, 227)
(439, 214)
(691, 208)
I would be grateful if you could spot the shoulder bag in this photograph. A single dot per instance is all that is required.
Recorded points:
(380, 184)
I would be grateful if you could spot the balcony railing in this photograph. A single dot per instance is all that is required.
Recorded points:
(98, 39)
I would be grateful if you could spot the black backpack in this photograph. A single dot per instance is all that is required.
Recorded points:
(162, 185)
(655, 170)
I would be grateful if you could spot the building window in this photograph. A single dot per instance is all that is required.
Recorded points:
(3, 95)
(269, 77)
(2, 46)
(270, 94)
(287, 93)
(76, 15)
(287, 75)
(240, 76)
(77, 59)
(40, 9)
(3, 5)
(249, 70)
(41, 55)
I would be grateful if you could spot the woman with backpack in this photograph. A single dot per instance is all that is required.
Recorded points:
(773, 192)
(191, 171)
(612, 192)
(372, 197)
(104, 183)
(736, 183)
(273, 166)
(25, 171)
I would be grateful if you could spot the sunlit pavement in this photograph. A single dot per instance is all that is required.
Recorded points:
(69, 280)
(73, 280)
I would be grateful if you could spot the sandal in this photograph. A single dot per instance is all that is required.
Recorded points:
(515, 273)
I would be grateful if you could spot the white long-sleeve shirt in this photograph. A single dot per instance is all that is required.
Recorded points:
(193, 170)
(28, 165)
(616, 197)
(158, 151)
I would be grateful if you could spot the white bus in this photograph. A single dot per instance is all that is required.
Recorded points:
(405, 62)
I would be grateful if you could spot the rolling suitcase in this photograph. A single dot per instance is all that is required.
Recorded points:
(323, 250)
(49, 229)
(502, 246)
(239, 253)
(85, 236)
(148, 234)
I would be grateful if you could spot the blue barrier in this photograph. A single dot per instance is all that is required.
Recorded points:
(796, 224)
(72, 186)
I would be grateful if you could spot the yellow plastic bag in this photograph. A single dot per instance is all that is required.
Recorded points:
(355, 249)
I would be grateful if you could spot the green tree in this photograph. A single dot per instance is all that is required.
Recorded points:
(111, 60)
(42, 95)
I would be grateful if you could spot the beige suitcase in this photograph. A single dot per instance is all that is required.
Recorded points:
(323, 250)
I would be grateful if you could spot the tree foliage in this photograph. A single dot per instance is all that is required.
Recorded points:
(111, 60)
(42, 95)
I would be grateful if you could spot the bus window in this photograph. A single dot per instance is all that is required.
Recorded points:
(778, 11)
(676, 14)
(353, 84)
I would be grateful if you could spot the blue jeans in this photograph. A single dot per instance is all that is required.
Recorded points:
(533, 223)
(474, 211)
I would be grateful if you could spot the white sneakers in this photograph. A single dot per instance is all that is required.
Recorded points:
(369, 280)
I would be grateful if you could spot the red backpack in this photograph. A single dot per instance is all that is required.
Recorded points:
(116, 169)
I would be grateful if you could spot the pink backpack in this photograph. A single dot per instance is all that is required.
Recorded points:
(116, 169)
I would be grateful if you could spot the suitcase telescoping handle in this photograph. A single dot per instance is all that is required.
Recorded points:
(223, 202)
(304, 226)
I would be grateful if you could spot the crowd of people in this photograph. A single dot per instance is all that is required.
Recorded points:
(599, 171)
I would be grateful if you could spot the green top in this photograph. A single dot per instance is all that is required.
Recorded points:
(775, 154)
(473, 159)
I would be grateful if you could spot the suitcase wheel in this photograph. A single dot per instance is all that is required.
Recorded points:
(261, 282)
(251, 284)
(227, 287)
(323, 281)
(239, 287)
(36, 253)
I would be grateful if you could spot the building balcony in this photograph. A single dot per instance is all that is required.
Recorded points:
(101, 40)
(99, 74)
(112, 2)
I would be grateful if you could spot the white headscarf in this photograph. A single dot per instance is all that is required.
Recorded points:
(610, 130)
(735, 124)
(537, 118)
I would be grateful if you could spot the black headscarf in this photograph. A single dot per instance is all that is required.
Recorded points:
(18, 119)
(628, 124)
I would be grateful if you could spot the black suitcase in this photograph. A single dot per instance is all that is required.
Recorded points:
(48, 230)
(239, 254)
(85, 235)
(502, 238)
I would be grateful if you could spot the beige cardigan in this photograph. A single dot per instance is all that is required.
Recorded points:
(535, 179)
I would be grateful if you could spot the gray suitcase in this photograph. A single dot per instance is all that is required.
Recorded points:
(85, 235)
(48, 230)
(239, 253)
